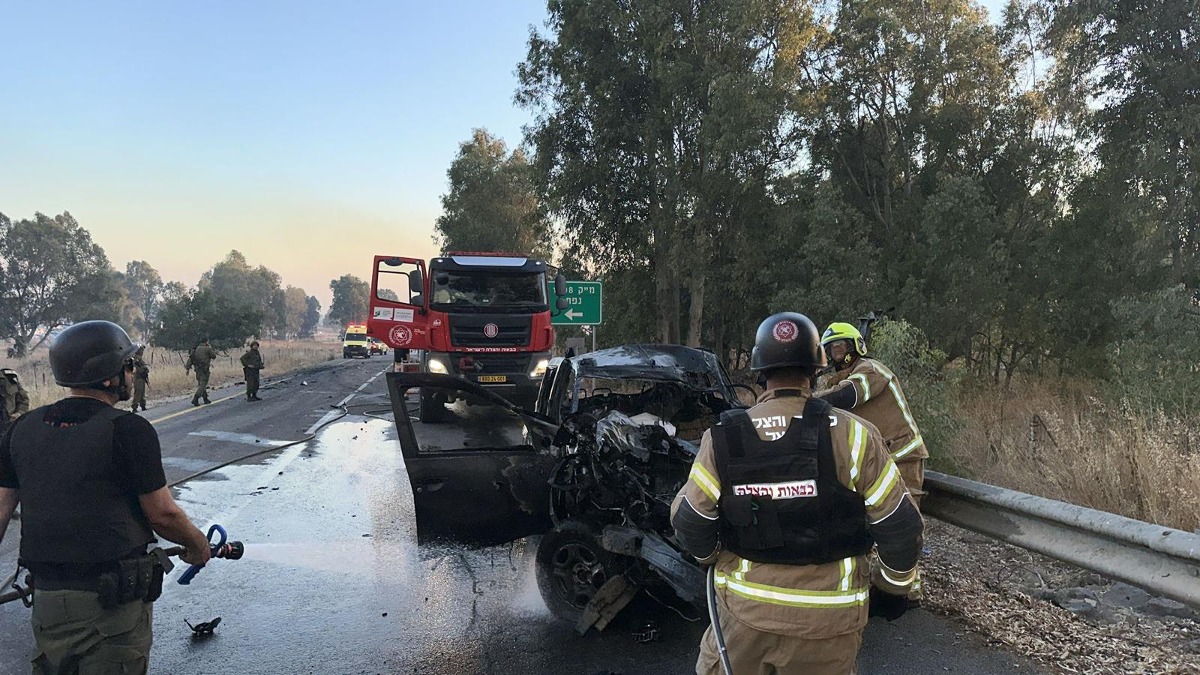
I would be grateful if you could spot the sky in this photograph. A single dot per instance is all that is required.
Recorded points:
(309, 135)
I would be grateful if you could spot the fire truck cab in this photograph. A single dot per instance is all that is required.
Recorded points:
(484, 317)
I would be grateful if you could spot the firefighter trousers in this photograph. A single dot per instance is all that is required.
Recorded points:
(755, 652)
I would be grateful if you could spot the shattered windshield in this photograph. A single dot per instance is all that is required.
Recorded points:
(460, 290)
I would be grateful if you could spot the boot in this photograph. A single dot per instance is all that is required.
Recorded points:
(195, 402)
(206, 401)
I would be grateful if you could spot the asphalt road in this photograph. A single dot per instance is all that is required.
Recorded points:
(333, 581)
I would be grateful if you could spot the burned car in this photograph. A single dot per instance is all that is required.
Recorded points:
(593, 469)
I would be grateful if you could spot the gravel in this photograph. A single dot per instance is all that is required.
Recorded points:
(1069, 619)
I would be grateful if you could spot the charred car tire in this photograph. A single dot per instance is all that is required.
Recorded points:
(571, 567)
(431, 410)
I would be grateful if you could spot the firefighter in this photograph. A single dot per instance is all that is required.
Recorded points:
(14, 400)
(873, 392)
(93, 494)
(785, 500)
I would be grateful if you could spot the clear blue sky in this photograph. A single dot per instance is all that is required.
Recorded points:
(308, 135)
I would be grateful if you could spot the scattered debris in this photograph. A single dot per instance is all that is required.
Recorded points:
(646, 631)
(203, 630)
(1068, 618)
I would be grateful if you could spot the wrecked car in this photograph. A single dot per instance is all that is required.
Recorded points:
(593, 469)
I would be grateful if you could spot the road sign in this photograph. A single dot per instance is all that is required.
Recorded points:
(584, 306)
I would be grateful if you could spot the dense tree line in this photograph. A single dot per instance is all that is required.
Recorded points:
(53, 274)
(1022, 192)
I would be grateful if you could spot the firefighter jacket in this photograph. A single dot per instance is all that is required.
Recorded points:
(807, 601)
(879, 399)
(783, 503)
(14, 401)
(99, 522)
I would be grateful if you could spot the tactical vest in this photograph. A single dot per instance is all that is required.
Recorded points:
(781, 501)
(73, 510)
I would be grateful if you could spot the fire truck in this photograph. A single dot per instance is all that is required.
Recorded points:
(484, 317)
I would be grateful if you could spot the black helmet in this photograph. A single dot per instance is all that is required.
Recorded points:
(88, 353)
(787, 340)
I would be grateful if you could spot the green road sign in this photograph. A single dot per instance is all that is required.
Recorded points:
(584, 307)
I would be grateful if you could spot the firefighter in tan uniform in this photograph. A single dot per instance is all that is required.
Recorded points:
(873, 392)
(785, 499)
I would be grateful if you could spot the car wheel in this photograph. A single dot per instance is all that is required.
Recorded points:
(571, 568)
(432, 410)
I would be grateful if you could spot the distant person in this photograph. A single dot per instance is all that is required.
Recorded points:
(93, 494)
(141, 377)
(14, 401)
(252, 362)
(201, 359)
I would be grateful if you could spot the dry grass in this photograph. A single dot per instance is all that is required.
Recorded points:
(167, 377)
(1061, 440)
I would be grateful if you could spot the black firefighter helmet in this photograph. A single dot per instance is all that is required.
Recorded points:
(88, 353)
(787, 340)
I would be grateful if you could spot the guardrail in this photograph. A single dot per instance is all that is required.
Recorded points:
(1159, 559)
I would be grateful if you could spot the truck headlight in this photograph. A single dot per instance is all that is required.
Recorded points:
(437, 367)
(540, 368)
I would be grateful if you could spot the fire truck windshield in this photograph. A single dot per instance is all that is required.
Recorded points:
(480, 290)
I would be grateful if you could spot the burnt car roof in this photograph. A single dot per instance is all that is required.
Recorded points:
(674, 363)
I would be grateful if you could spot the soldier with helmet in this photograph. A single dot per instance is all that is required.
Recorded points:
(201, 359)
(14, 401)
(141, 377)
(866, 386)
(93, 576)
(785, 500)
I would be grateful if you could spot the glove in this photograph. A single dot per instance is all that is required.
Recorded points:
(887, 605)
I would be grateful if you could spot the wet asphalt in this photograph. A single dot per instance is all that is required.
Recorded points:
(333, 581)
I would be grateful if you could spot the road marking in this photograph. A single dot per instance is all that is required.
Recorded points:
(319, 423)
(248, 439)
(192, 409)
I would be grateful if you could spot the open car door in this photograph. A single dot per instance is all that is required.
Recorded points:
(474, 479)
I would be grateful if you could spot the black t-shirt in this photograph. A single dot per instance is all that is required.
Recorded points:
(137, 454)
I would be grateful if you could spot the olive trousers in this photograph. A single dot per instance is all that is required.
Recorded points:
(76, 636)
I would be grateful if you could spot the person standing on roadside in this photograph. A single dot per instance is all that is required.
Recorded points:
(201, 360)
(141, 377)
(90, 483)
(252, 362)
(14, 400)
(785, 500)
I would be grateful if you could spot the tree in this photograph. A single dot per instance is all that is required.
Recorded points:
(296, 303)
(312, 317)
(144, 288)
(51, 272)
(205, 314)
(234, 279)
(351, 300)
(492, 204)
(658, 127)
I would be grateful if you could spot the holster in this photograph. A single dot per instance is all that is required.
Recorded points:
(139, 578)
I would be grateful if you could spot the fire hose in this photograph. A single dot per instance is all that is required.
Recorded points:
(229, 550)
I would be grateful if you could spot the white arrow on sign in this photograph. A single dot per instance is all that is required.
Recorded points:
(572, 315)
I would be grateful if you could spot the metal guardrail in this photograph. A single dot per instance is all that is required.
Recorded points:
(1159, 559)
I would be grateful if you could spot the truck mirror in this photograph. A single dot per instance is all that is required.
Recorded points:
(417, 299)
(415, 283)
(561, 303)
(560, 287)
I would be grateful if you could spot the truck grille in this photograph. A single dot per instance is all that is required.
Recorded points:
(496, 363)
(467, 330)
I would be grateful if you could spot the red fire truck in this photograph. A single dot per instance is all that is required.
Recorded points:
(484, 317)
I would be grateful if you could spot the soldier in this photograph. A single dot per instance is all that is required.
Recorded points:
(201, 359)
(141, 377)
(785, 500)
(14, 401)
(252, 362)
(94, 581)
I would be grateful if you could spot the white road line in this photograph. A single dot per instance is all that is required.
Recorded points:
(248, 439)
(324, 418)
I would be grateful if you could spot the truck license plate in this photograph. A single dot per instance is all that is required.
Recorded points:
(493, 378)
